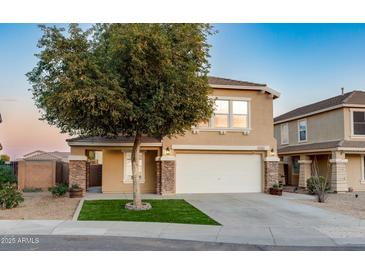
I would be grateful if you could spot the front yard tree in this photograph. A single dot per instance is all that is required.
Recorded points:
(124, 79)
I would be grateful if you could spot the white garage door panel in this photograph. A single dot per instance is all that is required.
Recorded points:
(218, 173)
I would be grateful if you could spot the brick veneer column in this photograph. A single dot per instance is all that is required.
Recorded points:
(158, 175)
(338, 172)
(78, 171)
(271, 170)
(166, 184)
(305, 170)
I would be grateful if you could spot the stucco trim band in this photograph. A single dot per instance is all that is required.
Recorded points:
(77, 158)
(92, 144)
(166, 158)
(304, 161)
(272, 159)
(339, 161)
(205, 147)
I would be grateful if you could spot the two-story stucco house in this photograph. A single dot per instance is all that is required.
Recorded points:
(332, 134)
(234, 152)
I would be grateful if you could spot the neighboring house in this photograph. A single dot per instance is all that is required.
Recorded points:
(40, 169)
(332, 134)
(234, 152)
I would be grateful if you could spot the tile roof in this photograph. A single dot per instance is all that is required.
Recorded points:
(118, 139)
(322, 146)
(304, 147)
(230, 82)
(353, 97)
(46, 156)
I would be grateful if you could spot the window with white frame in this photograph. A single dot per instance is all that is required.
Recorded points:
(284, 134)
(302, 130)
(128, 175)
(228, 114)
(358, 122)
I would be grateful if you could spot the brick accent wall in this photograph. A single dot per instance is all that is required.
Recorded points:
(168, 185)
(271, 174)
(79, 173)
(158, 177)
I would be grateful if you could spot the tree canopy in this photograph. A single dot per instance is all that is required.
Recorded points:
(123, 78)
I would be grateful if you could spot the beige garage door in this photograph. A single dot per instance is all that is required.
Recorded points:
(218, 173)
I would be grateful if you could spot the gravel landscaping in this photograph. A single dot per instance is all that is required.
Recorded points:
(345, 203)
(41, 206)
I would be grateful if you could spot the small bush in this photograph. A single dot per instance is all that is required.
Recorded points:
(313, 181)
(319, 186)
(32, 189)
(9, 196)
(6, 175)
(5, 158)
(75, 187)
(58, 190)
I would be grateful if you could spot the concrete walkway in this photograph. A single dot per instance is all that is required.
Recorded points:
(256, 219)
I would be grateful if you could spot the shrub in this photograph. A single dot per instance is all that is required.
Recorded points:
(276, 186)
(9, 196)
(5, 158)
(59, 190)
(75, 187)
(32, 189)
(319, 186)
(6, 175)
(313, 181)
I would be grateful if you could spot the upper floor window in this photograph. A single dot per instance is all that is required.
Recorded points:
(284, 134)
(358, 122)
(229, 114)
(302, 130)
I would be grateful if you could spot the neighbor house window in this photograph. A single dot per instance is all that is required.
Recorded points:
(228, 114)
(128, 168)
(284, 134)
(302, 130)
(358, 119)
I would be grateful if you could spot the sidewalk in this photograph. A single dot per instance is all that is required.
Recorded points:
(255, 235)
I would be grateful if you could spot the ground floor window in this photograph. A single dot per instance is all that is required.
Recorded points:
(128, 179)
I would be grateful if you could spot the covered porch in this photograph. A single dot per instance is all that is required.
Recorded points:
(116, 168)
(342, 166)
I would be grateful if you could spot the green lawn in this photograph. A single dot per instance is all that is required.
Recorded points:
(164, 211)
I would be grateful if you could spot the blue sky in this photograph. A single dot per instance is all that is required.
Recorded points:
(305, 62)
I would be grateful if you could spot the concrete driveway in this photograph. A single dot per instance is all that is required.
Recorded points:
(259, 218)
(254, 219)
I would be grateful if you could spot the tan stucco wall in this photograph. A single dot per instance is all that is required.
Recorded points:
(112, 178)
(348, 125)
(36, 174)
(323, 165)
(261, 125)
(323, 127)
(354, 174)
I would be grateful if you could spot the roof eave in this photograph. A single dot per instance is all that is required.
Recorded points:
(267, 89)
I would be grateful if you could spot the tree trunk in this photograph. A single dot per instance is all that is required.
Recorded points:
(135, 171)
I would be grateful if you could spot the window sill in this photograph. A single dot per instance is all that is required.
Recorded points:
(244, 131)
(131, 182)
